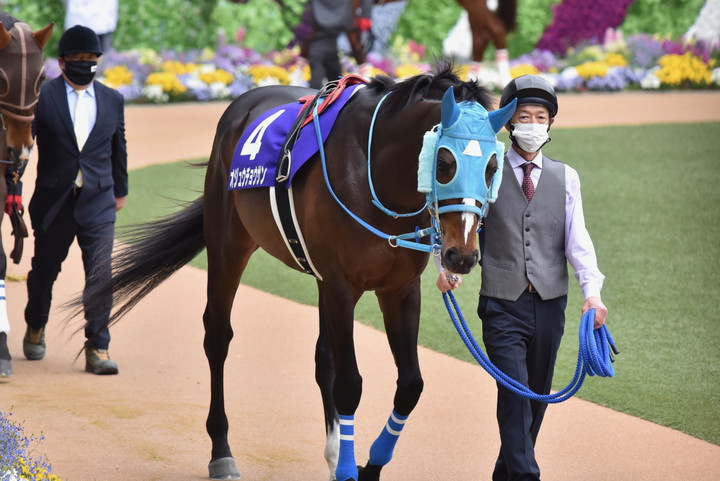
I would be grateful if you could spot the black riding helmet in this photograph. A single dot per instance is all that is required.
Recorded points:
(79, 39)
(530, 89)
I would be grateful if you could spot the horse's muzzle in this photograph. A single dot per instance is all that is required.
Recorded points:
(457, 263)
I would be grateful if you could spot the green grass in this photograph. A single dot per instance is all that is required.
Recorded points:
(652, 206)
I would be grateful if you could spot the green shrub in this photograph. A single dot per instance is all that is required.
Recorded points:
(664, 17)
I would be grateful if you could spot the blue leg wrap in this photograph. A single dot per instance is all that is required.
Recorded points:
(382, 449)
(346, 467)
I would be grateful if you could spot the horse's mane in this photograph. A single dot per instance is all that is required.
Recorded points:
(429, 86)
(7, 20)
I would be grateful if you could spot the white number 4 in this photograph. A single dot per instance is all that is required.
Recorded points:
(252, 145)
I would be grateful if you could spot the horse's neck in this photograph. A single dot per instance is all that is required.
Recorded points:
(397, 140)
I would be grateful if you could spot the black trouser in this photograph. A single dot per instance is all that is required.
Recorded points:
(51, 249)
(323, 57)
(522, 339)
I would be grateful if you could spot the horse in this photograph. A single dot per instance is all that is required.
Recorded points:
(21, 73)
(400, 156)
(488, 26)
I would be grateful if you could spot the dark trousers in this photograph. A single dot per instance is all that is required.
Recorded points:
(521, 339)
(51, 249)
(323, 58)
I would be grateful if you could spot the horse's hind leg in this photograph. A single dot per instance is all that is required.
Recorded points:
(226, 264)
(401, 312)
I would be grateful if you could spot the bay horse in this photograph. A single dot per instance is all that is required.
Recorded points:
(431, 133)
(21, 73)
(491, 26)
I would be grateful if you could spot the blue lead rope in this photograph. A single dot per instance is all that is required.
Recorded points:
(594, 356)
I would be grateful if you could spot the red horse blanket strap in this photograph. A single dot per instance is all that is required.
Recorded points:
(256, 153)
(343, 83)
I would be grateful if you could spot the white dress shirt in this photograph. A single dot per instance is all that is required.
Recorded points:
(579, 248)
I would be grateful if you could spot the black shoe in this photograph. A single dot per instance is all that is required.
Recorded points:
(97, 361)
(5, 358)
(34, 344)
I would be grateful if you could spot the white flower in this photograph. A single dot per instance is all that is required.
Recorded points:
(569, 73)
(8, 475)
(193, 82)
(651, 81)
(219, 90)
(716, 76)
(155, 93)
(270, 80)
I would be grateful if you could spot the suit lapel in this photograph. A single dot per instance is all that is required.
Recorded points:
(59, 97)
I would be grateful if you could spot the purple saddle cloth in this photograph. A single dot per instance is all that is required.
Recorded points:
(256, 154)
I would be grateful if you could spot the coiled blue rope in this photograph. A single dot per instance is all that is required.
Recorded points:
(594, 356)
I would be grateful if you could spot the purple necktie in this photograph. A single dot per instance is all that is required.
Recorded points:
(527, 184)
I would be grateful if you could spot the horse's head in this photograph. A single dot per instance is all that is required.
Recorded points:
(466, 158)
(21, 73)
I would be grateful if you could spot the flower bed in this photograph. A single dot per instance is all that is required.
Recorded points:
(638, 62)
(18, 459)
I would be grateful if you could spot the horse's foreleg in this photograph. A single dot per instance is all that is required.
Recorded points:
(224, 272)
(324, 376)
(337, 308)
(401, 312)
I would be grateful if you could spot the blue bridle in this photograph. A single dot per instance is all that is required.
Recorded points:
(457, 126)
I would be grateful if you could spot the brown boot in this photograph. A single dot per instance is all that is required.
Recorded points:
(97, 361)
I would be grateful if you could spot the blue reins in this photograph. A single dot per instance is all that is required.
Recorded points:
(402, 240)
(594, 356)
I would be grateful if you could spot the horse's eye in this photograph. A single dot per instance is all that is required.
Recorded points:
(446, 166)
(491, 169)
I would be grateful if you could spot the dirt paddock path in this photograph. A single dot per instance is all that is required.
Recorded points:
(147, 423)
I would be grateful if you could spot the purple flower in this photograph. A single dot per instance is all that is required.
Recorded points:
(575, 21)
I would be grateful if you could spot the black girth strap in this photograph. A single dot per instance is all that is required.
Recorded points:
(283, 208)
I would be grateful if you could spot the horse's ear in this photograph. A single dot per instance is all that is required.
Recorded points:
(42, 36)
(450, 110)
(498, 118)
(4, 37)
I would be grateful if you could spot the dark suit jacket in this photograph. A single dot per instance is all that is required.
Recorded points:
(103, 159)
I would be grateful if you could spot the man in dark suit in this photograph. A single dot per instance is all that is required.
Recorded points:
(81, 182)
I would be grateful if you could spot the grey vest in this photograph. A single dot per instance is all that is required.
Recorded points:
(525, 242)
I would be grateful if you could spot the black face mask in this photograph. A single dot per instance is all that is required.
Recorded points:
(80, 72)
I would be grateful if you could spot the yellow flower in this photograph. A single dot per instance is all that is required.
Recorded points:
(118, 76)
(615, 60)
(260, 73)
(168, 81)
(173, 66)
(523, 69)
(592, 69)
(406, 70)
(676, 70)
(219, 75)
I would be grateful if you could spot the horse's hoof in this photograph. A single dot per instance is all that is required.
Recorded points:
(223, 468)
(371, 472)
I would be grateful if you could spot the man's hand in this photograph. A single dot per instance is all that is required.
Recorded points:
(601, 311)
(448, 281)
(119, 203)
(9, 203)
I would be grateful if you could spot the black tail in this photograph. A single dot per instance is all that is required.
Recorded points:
(151, 252)
(507, 11)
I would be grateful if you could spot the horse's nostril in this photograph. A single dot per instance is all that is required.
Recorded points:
(453, 259)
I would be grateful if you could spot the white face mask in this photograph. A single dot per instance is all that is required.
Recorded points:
(530, 137)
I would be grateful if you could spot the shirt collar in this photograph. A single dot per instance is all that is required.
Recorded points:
(516, 160)
(90, 90)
